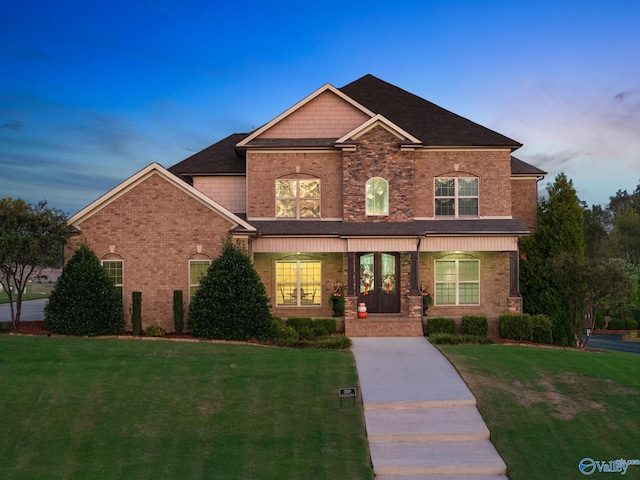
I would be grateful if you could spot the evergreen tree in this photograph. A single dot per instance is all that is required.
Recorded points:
(231, 302)
(85, 300)
(558, 244)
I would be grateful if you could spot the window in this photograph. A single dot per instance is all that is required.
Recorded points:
(456, 197)
(377, 194)
(457, 282)
(298, 283)
(197, 270)
(297, 198)
(114, 270)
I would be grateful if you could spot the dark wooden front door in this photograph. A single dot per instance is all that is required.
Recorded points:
(379, 281)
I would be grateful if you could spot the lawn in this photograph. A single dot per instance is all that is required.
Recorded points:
(547, 409)
(127, 409)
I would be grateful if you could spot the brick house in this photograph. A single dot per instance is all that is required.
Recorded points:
(366, 185)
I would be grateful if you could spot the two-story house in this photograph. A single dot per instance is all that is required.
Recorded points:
(367, 185)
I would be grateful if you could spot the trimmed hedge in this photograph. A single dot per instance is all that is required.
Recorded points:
(440, 325)
(630, 324)
(302, 325)
(542, 329)
(475, 325)
(178, 312)
(450, 339)
(515, 326)
(616, 324)
(324, 326)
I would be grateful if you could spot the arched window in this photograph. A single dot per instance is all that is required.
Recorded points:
(377, 195)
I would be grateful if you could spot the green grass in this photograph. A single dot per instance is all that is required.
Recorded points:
(32, 292)
(112, 409)
(547, 409)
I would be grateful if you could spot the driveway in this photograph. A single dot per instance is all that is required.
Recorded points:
(31, 310)
(613, 342)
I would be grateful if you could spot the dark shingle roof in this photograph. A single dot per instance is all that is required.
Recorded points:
(395, 229)
(518, 167)
(219, 158)
(430, 123)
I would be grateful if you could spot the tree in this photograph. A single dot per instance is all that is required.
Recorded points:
(31, 237)
(231, 302)
(609, 285)
(557, 243)
(84, 301)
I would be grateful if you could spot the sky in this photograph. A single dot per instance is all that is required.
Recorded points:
(92, 92)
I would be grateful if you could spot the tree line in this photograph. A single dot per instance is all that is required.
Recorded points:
(582, 263)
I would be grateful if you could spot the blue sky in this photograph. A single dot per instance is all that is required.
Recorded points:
(91, 92)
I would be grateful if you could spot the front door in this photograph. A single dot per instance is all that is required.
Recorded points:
(378, 281)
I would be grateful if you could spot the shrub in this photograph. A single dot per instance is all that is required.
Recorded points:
(276, 327)
(154, 330)
(630, 324)
(136, 312)
(84, 301)
(475, 325)
(231, 302)
(5, 326)
(450, 339)
(324, 326)
(616, 324)
(441, 325)
(542, 329)
(516, 326)
(178, 312)
(300, 322)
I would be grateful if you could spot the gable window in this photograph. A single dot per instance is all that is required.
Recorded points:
(456, 197)
(114, 271)
(197, 270)
(297, 198)
(457, 282)
(298, 283)
(377, 195)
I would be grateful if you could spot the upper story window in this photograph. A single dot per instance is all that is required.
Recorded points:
(114, 271)
(297, 198)
(377, 193)
(456, 197)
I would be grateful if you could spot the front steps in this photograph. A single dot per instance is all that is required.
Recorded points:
(381, 325)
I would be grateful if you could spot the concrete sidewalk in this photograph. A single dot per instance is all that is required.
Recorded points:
(421, 418)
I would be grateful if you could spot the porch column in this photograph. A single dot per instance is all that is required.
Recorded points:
(414, 287)
(351, 278)
(514, 274)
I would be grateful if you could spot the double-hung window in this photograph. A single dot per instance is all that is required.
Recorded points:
(298, 283)
(197, 270)
(377, 196)
(298, 198)
(457, 282)
(114, 271)
(456, 197)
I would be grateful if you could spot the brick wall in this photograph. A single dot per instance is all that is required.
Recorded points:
(155, 228)
(524, 201)
(264, 168)
(491, 166)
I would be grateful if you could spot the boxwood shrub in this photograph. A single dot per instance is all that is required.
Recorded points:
(324, 326)
(515, 326)
(475, 325)
(630, 324)
(440, 325)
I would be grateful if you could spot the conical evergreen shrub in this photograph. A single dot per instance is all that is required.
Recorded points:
(85, 300)
(231, 302)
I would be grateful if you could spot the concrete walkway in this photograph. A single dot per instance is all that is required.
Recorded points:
(421, 419)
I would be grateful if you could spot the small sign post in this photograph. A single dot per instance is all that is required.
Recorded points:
(347, 392)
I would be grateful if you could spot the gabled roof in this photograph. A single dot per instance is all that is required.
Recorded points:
(219, 158)
(141, 176)
(371, 123)
(432, 124)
